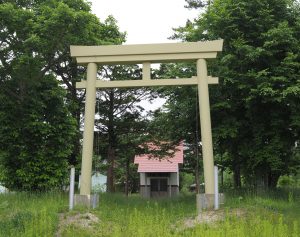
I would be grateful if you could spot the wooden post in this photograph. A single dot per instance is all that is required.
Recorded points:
(146, 71)
(216, 172)
(71, 193)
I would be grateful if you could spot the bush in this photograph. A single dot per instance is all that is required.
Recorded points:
(286, 181)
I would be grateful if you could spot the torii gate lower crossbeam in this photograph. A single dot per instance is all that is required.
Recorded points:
(147, 54)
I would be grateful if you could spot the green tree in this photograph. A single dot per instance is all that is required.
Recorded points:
(36, 131)
(118, 112)
(132, 135)
(46, 29)
(255, 112)
(35, 38)
(73, 24)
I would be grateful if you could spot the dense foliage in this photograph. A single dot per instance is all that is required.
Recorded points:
(36, 135)
(255, 108)
(39, 135)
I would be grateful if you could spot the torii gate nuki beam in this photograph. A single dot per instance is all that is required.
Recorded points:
(146, 54)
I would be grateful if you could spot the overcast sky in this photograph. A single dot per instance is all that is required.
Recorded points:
(145, 21)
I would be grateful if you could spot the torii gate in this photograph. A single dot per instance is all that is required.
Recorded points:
(146, 54)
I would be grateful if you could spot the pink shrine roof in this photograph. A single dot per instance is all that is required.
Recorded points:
(147, 163)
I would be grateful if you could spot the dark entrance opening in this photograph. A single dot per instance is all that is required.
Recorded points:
(159, 187)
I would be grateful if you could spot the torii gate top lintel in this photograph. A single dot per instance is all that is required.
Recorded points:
(146, 54)
(153, 53)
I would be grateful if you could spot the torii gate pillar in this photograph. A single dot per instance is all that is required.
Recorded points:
(88, 133)
(146, 54)
(85, 198)
(206, 135)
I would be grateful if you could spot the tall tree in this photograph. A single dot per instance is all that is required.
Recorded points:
(255, 105)
(118, 110)
(132, 134)
(36, 130)
(46, 29)
(35, 37)
(73, 24)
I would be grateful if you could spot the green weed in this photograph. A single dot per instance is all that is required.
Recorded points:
(30, 215)
(263, 215)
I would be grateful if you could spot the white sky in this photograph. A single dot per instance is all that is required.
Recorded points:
(145, 21)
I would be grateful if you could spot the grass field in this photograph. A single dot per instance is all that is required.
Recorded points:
(265, 215)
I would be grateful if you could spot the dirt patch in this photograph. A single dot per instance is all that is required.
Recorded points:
(211, 217)
(82, 220)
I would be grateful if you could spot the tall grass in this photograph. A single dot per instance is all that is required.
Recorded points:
(135, 217)
(24, 214)
(264, 215)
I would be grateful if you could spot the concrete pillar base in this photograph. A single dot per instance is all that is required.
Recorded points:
(206, 201)
(89, 201)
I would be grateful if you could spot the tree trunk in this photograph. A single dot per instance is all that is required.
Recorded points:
(237, 176)
(236, 167)
(75, 110)
(197, 176)
(127, 178)
(111, 145)
(272, 180)
(77, 146)
(222, 177)
(197, 188)
(222, 172)
(110, 172)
